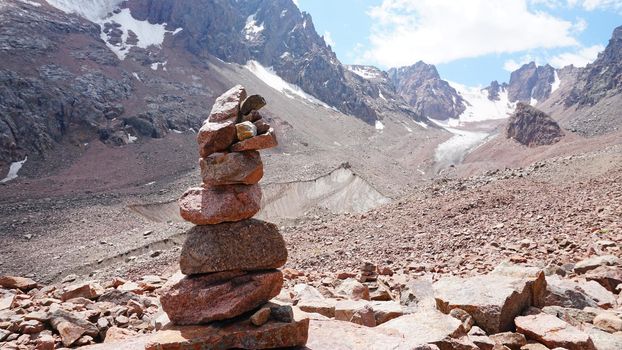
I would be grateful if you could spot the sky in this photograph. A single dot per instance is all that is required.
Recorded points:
(471, 42)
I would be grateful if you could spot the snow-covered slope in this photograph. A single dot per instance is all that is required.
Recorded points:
(103, 13)
(268, 76)
(479, 107)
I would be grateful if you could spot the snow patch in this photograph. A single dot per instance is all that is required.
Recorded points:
(556, 83)
(136, 76)
(364, 72)
(285, 54)
(251, 30)
(130, 138)
(479, 107)
(13, 170)
(177, 131)
(533, 101)
(268, 76)
(381, 95)
(35, 4)
(101, 12)
(421, 124)
(379, 125)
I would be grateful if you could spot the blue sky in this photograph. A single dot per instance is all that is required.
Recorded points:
(471, 42)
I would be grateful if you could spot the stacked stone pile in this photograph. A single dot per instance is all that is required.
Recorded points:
(229, 261)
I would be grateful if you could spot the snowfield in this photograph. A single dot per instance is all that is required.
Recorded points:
(13, 170)
(479, 107)
(101, 12)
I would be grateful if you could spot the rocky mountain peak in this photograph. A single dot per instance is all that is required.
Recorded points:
(531, 82)
(532, 127)
(424, 90)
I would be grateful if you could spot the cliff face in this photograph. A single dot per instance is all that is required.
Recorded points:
(531, 82)
(532, 127)
(424, 90)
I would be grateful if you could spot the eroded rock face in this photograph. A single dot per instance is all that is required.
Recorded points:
(214, 205)
(220, 296)
(247, 245)
(424, 90)
(553, 332)
(531, 82)
(492, 300)
(532, 127)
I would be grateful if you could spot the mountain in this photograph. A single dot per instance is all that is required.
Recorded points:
(424, 90)
(589, 99)
(531, 83)
(114, 71)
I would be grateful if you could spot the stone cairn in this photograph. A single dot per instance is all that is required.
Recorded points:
(229, 260)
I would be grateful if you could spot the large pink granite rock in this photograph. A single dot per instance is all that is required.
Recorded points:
(213, 205)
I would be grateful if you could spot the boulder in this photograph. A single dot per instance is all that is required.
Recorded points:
(6, 301)
(532, 127)
(216, 137)
(87, 290)
(599, 294)
(306, 292)
(566, 293)
(231, 168)
(21, 283)
(214, 205)
(252, 103)
(264, 141)
(592, 263)
(352, 289)
(514, 341)
(607, 276)
(218, 296)
(227, 105)
(245, 130)
(575, 317)
(321, 306)
(233, 335)
(247, 245)
(71, 327)
(608, 322)
(385, 311)
(428, 326)
(341, 335)
(359, 312)
(492, 300)
(604, 340)
(553, 332)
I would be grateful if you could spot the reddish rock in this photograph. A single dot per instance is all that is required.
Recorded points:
(252, 103)
(213, 205)
(6, 301)
(88, 290)
(220, 296)
(592, 263)
(353, 289)
(253, 116)
(21, 283)
(492, 300)
(247, 245)
(262, 126)
(116, 334)
(238, 335)
(231, 168)
(227, 105)
(359, 312)
(325, 307)
(260, 317)
(514, 341)
(608, 277)
(267, 140)
(216, 137)
(553, 332)
(428, 326)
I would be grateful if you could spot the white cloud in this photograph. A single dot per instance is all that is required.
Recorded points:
(592, 5)
(329, 39)
(578, 58)
(441, 31)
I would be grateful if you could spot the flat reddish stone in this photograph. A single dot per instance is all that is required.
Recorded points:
(231, 168)
(216, 137)
(553, 332)
(213, 205)
(248, 245)
(238, 335)
(21, 283)
(267, 140)
(212, 297)
(227, 105)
